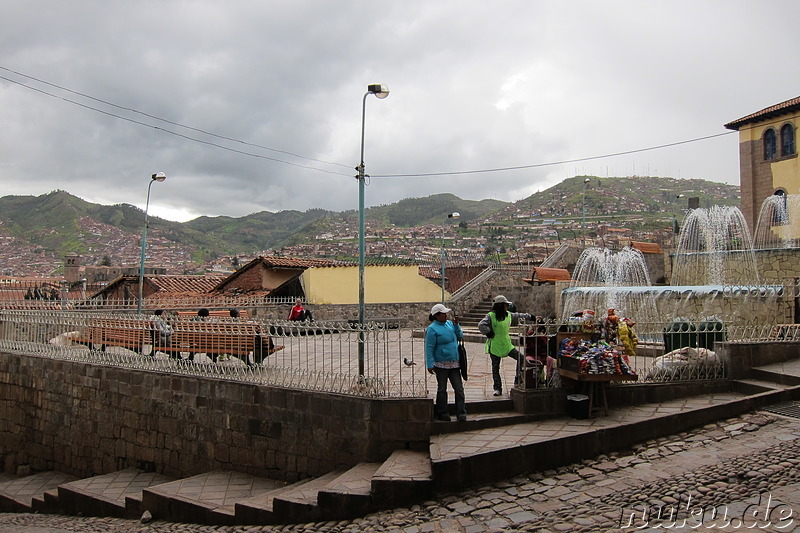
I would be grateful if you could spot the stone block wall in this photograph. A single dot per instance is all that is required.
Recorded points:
(90, 419)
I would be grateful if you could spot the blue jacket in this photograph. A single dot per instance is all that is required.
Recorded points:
(441, 342)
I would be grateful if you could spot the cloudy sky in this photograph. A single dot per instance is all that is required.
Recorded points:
(256, 105)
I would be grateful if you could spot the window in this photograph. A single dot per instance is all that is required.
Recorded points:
(787, 140)
(780, 216)
(769, 144)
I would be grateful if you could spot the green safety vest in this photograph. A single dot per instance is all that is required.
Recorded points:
(499, 345)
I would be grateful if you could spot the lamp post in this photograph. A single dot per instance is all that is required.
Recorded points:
(675, 227)
(583, 210)
(158, 176)
(449, 215)
(380, 91)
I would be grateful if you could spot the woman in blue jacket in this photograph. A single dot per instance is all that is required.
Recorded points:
(441, 357)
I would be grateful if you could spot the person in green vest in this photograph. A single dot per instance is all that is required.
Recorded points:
(496, 325)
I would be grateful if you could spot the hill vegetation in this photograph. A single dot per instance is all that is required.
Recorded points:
(58, 222)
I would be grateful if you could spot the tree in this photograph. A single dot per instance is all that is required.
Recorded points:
(105, 261)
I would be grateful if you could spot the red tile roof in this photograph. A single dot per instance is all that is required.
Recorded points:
(293, 262)
(783, 108)
(184, 284)
(647, 247)
(549, 274)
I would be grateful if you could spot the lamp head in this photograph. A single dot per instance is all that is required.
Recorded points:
(587, 180)
(454, 215)
(680, 196)
(158, 176)
(379, 90)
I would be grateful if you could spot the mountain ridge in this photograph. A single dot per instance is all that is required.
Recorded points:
(57, 223)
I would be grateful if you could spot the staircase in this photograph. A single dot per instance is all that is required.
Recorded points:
(234, 498)
(485, 448)
(224, 497)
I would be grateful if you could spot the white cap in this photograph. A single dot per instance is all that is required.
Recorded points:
(439, 308)
(500, 299)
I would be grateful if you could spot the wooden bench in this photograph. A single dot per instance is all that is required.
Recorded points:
(239, 339)
(132, 334)
(230, 337)
(215, 313)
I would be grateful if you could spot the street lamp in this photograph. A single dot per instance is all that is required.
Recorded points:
(583, 209)
(675, 227)
(381, 91)
(158, 176)
(449, 215)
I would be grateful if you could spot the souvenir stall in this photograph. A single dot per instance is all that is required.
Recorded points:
(594, 353)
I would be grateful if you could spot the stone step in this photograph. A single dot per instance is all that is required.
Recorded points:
(27, 494)
(259, 509)
(208, 498)
(117, 494)
(299, 504)
(350, 494)
(776, 376)
(476, 421)
(404, 478)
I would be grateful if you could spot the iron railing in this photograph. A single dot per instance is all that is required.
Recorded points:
(313, 356)
(324, 356)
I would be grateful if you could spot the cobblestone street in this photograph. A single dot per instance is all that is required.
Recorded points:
(736, 474)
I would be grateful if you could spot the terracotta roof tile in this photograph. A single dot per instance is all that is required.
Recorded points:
(549, 274)
(647, 247)
(768, 112)
(184, 284)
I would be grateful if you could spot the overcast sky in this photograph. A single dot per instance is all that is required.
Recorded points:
(254, 106)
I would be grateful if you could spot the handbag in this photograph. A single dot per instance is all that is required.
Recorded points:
(462, 359)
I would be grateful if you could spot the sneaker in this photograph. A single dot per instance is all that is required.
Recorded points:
(497, 392)
(462, 418)
(443, 418)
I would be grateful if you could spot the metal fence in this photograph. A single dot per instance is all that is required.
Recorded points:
(325, 356)
(320, 356)
(675, 350)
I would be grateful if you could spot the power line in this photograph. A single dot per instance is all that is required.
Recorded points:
(277, 160)
(112, 104)
(187, 137)
(552, 163)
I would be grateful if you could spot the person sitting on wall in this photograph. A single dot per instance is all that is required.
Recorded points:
(299, 313)
(162, 330)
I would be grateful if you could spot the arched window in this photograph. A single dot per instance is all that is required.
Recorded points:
(780, 215)
(769, 144)
(787, 140)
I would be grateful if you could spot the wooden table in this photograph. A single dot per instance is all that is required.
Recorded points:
(596, 383)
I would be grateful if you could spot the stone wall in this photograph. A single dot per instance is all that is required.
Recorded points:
(89, 419)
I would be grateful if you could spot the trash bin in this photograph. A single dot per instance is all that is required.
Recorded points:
(578, 406)
(709, 331)
(680, 333)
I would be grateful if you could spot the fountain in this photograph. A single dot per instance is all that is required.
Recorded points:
(714, 280)
(606, 280)
(714, 248)
(774, 228)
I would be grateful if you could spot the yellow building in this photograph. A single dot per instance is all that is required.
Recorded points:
(382, 284)
(768, 160)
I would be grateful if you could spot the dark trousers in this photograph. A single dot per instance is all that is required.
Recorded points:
(513, 354)
(454, 376)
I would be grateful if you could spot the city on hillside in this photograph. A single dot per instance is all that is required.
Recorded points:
(587, 210)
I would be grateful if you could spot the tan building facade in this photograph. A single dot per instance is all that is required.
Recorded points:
(767, 155)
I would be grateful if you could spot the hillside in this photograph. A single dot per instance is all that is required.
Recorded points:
(42, 229)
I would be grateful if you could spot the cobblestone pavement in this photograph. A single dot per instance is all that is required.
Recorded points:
(737, 474)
